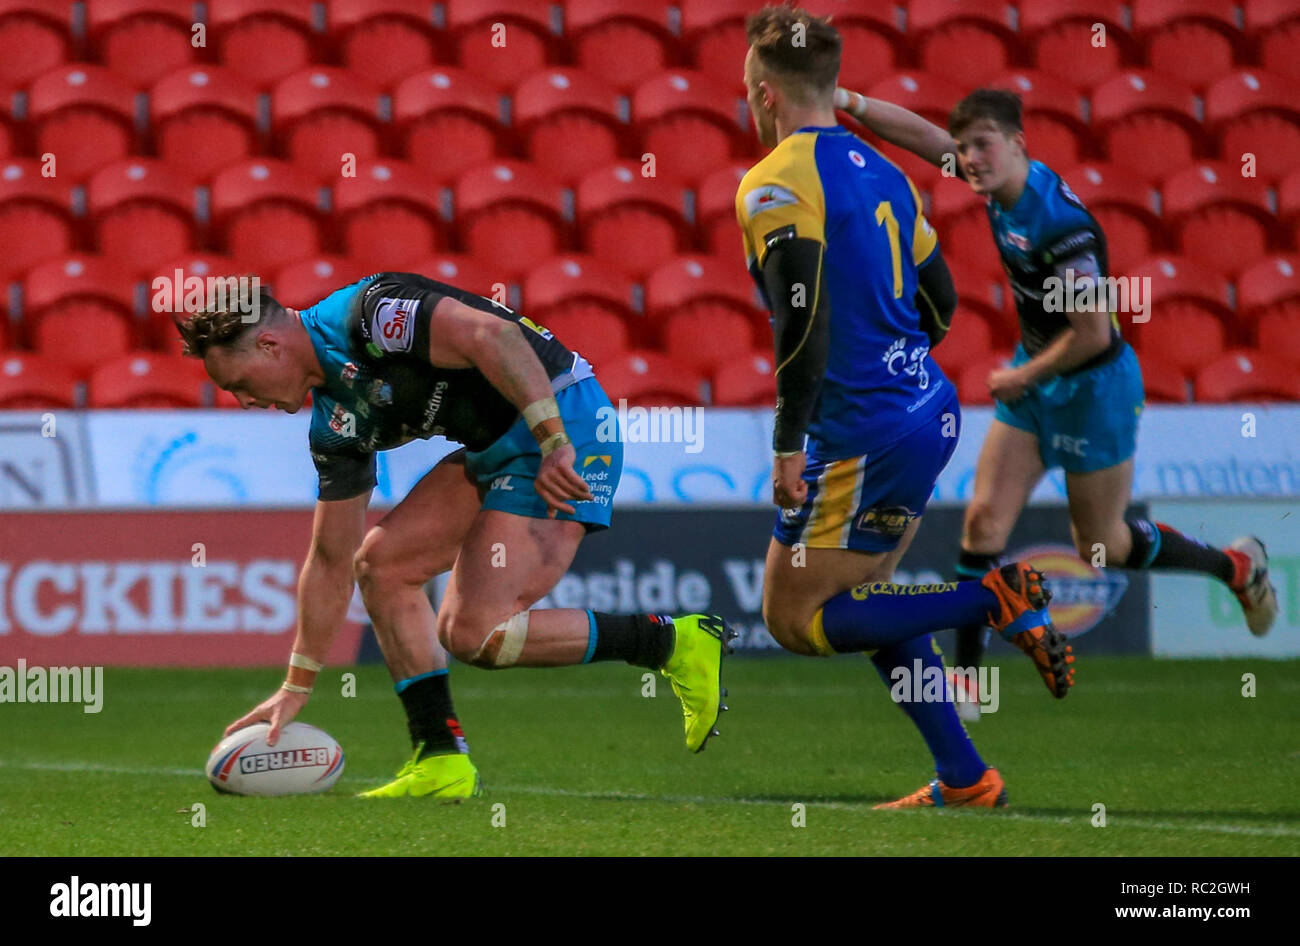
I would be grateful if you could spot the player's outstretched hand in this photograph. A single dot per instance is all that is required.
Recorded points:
(788, 488)
(557, 481)
(278, 709)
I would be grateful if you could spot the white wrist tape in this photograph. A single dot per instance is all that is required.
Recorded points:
(306, 663)
(294, 688)
(540, 410)
(502, 647)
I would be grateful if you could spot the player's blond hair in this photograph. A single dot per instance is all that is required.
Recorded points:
(226, 325)
(800, 49)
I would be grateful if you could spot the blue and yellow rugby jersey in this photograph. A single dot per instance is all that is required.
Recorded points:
(381, 391)
(1047, 233)
(827, 185)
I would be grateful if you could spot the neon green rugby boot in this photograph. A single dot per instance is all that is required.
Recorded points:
(695, 671)
(443, 776)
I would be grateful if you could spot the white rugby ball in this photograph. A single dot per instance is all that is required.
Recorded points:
(304, 760)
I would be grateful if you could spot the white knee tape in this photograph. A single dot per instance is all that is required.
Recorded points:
(502, 647)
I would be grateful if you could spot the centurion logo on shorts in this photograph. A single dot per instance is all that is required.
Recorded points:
(651, 425)
(87, 899)
(24, 684)
(194, 293)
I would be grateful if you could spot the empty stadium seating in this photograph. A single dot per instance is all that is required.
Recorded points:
(580, 159)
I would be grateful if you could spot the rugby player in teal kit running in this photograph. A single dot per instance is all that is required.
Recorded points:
(397, 356)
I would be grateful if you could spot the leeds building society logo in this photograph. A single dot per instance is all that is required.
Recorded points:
(1082, 595)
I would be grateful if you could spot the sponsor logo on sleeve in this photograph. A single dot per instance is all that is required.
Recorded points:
(768, 197)
(393, 323)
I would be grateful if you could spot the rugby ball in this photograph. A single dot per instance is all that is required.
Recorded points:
(304, 760)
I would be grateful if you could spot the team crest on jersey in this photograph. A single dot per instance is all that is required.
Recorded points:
(857, 158)
(768, 197)
(342, 421)
(349, 373)
(392, 327)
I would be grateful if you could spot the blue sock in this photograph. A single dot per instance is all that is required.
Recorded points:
(883, 613)
(955, 758)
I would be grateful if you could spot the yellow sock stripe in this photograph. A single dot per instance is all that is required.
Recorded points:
(817, 636)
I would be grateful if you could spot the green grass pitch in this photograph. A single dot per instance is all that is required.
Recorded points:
(585, 765)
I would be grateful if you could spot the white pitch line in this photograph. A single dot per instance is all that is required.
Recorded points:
(1273, 831)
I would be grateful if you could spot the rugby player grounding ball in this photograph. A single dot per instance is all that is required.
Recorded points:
(304, 760)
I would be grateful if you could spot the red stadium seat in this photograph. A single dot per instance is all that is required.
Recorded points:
(1270, 282)
(502, 41)
(142, 211)
(388, 215)
(687, 283)
(967, 43)
(568, 122)
(1278, 332)
(204, 118)
(1222, 217)
(1179, 278)
(383, 40)
(441, 105)
(1256, 112)
(1149, 122)
(871, 45)
(687, 122)
(575, 279)
(148, 380)
(629, 221)
(34, 37)
(465, 272)
(967, 237)
(1247, 375)
(511, 213)
(951, 197)
(972, 380)
(928, 95)
(320, 114)
(263, 40)
(84, 115)
(1274, 25)
(306, 282)
(180, 272)
(1164, 384)
(745, 382)
(621, 42)
(981, 292)
(706, 337)
(142, 40)
(78, 310)
(1288, 204)
(35, 216)
(1124, 205)
(591, 330)
(1065, 42)
(714, 31)
(266, 213)
(715, 209)
(1182, 335)
(1194, 40)
(969, 340)
(29, 382)
(648, 378)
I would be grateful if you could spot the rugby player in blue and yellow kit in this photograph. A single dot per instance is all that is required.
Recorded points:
(851, 271)
(397, 356)
(1073, 393)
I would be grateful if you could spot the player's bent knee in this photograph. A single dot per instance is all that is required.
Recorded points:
(496, 649)
(789, 633)
(982, 527)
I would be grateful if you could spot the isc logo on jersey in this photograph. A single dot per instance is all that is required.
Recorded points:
(392, 326)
